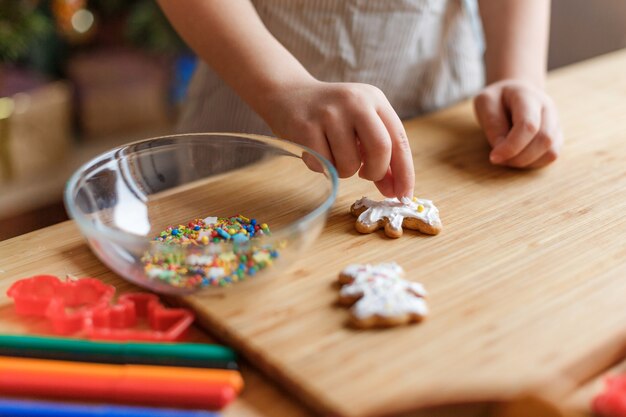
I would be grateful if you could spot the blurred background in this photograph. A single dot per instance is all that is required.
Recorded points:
(78, 77)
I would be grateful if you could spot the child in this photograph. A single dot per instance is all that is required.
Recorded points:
(338, 75)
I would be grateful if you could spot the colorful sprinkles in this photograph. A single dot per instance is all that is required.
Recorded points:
(203, 263)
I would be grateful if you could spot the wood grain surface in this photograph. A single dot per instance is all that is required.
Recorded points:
(527, 281)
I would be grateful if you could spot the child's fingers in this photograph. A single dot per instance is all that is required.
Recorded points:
(535, 150)
(401, 164)
(312, 162)
(385, 186)
(544, 145)
(375, 145)
(546, 159)
(315, 140)
(341, 138)
(492, 117)
(525, 112)
(557, 140)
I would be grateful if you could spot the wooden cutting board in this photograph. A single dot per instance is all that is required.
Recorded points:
(527, 282)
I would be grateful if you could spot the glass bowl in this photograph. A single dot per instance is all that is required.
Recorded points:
(151, 210)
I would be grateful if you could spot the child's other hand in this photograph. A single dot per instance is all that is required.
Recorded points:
(521, 124)
(352, 125)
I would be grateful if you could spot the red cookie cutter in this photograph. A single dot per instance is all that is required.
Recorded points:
(64, 303)
(611, 402)
(84, 305)
(118, 322)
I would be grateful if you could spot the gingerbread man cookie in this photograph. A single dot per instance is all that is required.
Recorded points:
(393, 214)
(380, 297)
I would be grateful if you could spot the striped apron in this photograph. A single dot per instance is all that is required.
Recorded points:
(423, 54)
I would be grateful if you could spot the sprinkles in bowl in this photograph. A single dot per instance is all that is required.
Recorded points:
(207, 267)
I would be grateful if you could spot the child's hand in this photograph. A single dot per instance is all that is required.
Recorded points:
(521, 124)
(352, 125)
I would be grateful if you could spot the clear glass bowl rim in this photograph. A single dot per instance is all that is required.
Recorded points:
(126, 238)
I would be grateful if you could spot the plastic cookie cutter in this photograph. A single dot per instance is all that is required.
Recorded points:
(611, 402)
(120, 321)
(84, 306)
(64, 303)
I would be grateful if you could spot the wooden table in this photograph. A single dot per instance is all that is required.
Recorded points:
(592, 100)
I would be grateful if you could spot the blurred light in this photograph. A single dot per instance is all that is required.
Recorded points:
(6, 107)
(21, 102)
(82, 20)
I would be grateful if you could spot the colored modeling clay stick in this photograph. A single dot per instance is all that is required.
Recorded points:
(166, 354)
(72, 369)
(104, 388)
(27, 408)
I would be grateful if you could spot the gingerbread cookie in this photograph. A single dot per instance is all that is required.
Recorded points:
(380, 297)
(393, 214)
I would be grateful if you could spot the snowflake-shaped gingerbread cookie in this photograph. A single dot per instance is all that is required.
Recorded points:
(380, 297)
(393, 214)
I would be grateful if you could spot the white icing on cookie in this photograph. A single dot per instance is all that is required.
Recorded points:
(383, 291)
(396, 211)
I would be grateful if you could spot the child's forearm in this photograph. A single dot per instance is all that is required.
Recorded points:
(516, 34)
(231, 38)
